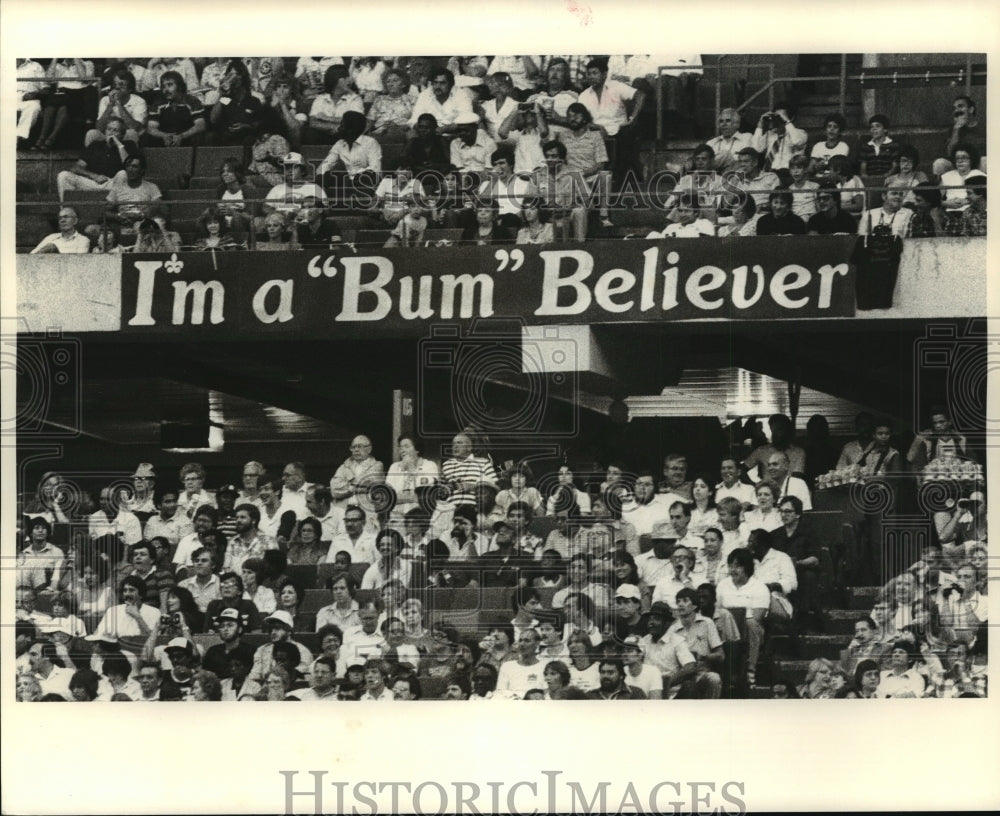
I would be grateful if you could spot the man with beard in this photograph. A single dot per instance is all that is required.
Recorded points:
(465, 543)
(613, 685)
(175, 118)
(248, 542)
(178, 683)
(218, 658)
(205, 519)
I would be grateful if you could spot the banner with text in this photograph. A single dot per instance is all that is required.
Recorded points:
(401, 292)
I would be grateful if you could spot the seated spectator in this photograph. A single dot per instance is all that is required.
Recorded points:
(780, 220)
(267, 157)
(965, 158)
(278, 236)
(901, 679)
(751, 179)
(701, 183)
(472, 148)
(907, 176)
(556, 95)
(310, 72)
(328, 108)
(100, 162)
(29, 95)
(234, 196)
(892, 215)
(390, 112)
(877, 156)
(965, 128)
(426, 151)
(819, 681)
(609, 102)
(821, 153)
(283, 110)
(123, 103)
(409, 230)
(215, 233)
(689, 223)
(210, 82)
(67, 95)
(353, 152)
(730, 141)
(130, 197)
(316, 232)
(152, 235)
(523, 71)
(974, 218)
(508, 190)
(829, 218)
(442, 100)
(535, 227)
(502, 106)
(366, 74)
(526, 128)
(395, 189)
(237, 115)
(803, 190)
(158, 67)
(777, 139)
(298, 190)
(852, 189)
(67, 240)
(743, 221)
(487, 228)
(105, 238)
(175, 116)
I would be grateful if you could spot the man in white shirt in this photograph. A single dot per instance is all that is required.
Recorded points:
(731, 486)
(364, 641)
(891, 214)
(319, 504)
(508, 190)
(67, 240)
(778, 139)
(777, 465)
(356, 539)
(518, 677)
(443, 101)
(294, 489)
(729, 142)
(472, 146)
(775, 569)
(608, 101)
(115, 520)
(168, 523)
(647, 508)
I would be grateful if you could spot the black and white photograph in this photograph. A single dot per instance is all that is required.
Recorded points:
(461, 382)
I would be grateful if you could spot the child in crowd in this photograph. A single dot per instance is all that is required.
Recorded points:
(877, 156)
(833, 145)
(409, 231)
(803, 190)
(852, 189)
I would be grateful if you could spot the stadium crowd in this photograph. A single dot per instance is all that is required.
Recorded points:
(463, 579)
(306, 152)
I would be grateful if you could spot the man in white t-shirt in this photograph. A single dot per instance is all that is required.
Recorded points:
(518, 677)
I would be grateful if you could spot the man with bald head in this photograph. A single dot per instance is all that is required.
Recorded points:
(465, 470)
(359, 472)
(777, 464)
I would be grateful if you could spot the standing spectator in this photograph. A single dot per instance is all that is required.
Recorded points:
(526, 128)
(29, 95)
(359, 471)
(608, 102)
(311, 75)
(777, 139)
(742, 590)
(877, 156)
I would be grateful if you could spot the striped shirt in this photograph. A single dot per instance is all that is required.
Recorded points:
(471, 469)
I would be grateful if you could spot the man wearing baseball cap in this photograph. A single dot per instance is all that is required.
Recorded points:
(178, 683)
(501, 567)
(629, 620)
(218, 658)
(638, 673)
(298, 190)
(279, 626)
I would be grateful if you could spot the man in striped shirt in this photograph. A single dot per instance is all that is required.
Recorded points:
(465, 470)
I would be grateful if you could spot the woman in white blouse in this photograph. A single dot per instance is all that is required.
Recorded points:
(765, 515)
(409, 473)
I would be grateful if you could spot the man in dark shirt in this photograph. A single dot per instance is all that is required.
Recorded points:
(613, 687)
(314, 232)
(237, 115)
(99, 163)
(218, 658)
(964, 129)
(780, 220)
(830, 220)
(175, 118)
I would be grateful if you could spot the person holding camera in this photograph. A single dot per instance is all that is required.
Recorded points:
(778, 139)
(891, 218)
